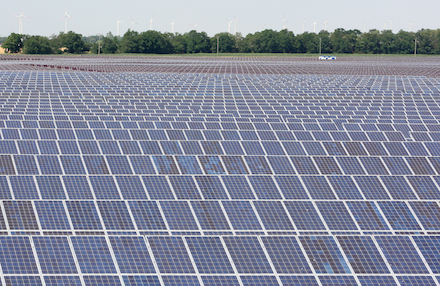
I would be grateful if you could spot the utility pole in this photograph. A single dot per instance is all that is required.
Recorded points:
(99, 45)
(415, 46)
(319, 46)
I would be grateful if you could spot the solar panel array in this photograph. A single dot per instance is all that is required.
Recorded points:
(123, 178)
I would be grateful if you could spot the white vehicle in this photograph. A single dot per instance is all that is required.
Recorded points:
(327, 57)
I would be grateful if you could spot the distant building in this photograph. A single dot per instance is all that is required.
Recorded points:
(2, 50)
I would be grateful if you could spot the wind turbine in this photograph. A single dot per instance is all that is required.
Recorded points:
(229, 25)
(365, 25)
(384, 26)
(325, 25)
(65, 19)
(410, 26)
(132, 24)
(391, 24)
(151, 23)
(194, 26)
(236, 20)
(284, 23)
(117, 26)
(304, 23)
(20, 22)
(172, 26)
(314, 27)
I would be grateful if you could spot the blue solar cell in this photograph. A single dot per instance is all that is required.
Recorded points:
(72, 165)
(131, 188)
(68, 147)
(50, 187)
(420, 166)
(192, 147)
(26, 165)
(146, 215)
(16, 256)
(141, 281)
(428, 214)
(96, 165)
(373, 165)
(27, 147)
(89, 147)
(238, 187)
(241, 215)
(299, 281)
(130, 148)
(416, 280)
(24, 187)
(232, 148)
(150, 147)
(429, 246)
(62, 281)
(291, 187)
(93, 255)
(119, 165)
(171, 147)
(355, 148)
(367, 215)
(104, 187)
(188, 165)
(337, 281)
(350, 165)
(248, 255)
(211, 187)
(142, 165)
(165, 165)
(210, 215)
(20, 215)
(304, 165)
(52, 215)
(184, 187)
(181, 280)
(5, 193)
(371, 187)
(158, 187)
(54, 255)
(401, 255)
(286, 255)
(219, 280)
(178, 215)
(211, 165)
(273, 215)
(23, 280)
(259, 280)
(344, 187)
(363, 255)
(377, 280)
(399, 215)
(102, 280)
(131, 254)
(115, 215)
(318, 187)
(398, 187)
(336, 215)
(77, 187)
(304, 215)
(334, 148)
(416, 148)
(327, 165)
(397, 166)
(294, 148)
(209, 255)
(234, 165)
(109, 147)
(324, 254)
(211, 147)
(171, 255)
(84, 215)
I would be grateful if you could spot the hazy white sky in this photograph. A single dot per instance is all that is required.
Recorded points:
(93, 17)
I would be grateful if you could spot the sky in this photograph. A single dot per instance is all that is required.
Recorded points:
(99, 17)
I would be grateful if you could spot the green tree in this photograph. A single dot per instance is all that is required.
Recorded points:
(73, 42)
(177, 41)
(14, 43)
(37, 45)
(130, 42)
(226, 43)
(197, 42)
(326, 46)
(153, 42)
(308, 43)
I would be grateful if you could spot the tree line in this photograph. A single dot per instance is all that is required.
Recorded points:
(267, 41)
